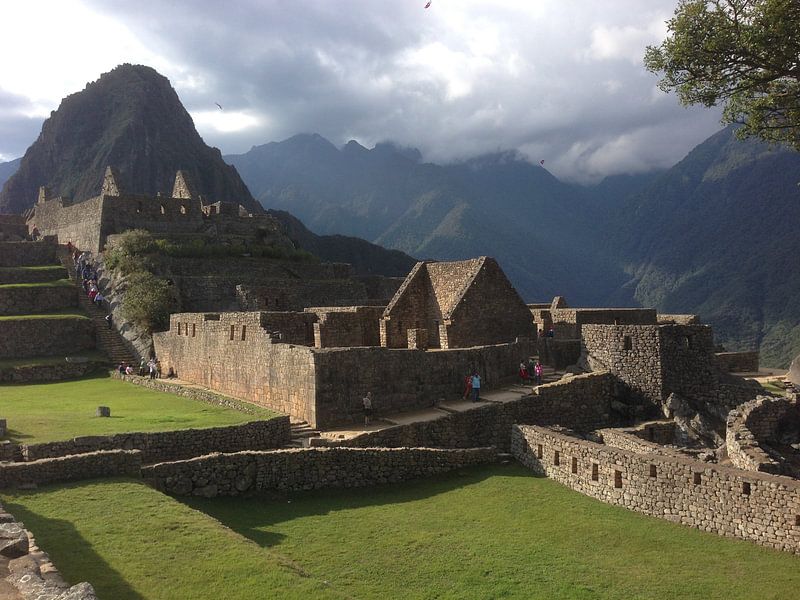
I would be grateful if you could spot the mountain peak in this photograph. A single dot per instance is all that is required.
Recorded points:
(132, 119)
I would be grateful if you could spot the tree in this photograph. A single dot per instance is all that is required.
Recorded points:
(743, 54)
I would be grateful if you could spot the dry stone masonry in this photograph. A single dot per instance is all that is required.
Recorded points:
(307, 469)
(731, 502)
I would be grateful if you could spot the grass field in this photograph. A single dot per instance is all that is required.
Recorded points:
(44, 412)
(32, 268)
(490, 532)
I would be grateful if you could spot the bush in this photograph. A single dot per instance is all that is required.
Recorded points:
(149, 300)
(127, 253)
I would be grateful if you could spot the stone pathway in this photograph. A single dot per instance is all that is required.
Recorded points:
(108, 341)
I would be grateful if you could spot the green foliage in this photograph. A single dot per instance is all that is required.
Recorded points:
(148, 300)
(127, 254)
(740, 53)
(46, 412)
(490, 532)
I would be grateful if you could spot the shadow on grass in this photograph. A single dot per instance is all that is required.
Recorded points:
(251, 515)
(74, 557)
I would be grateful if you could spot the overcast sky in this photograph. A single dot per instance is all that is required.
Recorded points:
(559, 80)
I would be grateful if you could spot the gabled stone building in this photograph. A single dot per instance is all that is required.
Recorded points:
(455, 305)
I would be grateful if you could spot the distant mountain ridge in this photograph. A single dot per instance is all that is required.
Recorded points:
(7, 169)
(715, 235)
(132, 119)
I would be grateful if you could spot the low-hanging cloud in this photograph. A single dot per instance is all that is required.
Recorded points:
(558, 80)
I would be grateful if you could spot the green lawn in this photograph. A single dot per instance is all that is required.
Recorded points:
(489, 532)
(44, 412)
(33, 268)
(39, 284)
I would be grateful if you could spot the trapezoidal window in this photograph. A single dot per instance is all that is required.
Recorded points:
(556, 458)
(539, 451)
(244, 332)
(653, 471)
(595, 472)
(233, 331)
(574, 465)
(627, 343)
(194, 329)
(746, 488)
(617, 479)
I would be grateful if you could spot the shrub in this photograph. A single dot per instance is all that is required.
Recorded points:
(149, 300)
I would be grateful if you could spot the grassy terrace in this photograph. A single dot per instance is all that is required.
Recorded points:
(45, 412)
(38, 268)
(40, 284)
(492, 532)
(67, 313)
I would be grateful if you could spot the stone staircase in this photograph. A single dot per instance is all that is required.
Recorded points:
(109, 341)
(301, 433)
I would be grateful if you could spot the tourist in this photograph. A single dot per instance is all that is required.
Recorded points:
(158, 369)
(142, 367)
(151, 364)
(121, 368)
(551, 332)
(109, 318)
(467, 386)
(476, 386)
(367, 401)
(99, 298)
(537, 371)
(129, 370)
(524, 377)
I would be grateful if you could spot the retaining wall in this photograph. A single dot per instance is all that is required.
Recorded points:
(105, 463)
(307, 469)
(738, 362)
(730, 502)
(581, 403)
(27, 254)
(67, 336)
(36, 299)
(161, 446)
(753, 425)
(17, 275)
(54, 372)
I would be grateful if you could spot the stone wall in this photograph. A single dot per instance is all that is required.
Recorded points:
(738, 362)
(307, 469)
(755, 426)
(558, 353)
(22, 275)
(730, 502)
(403, 380)
(490, 312)
(111, 463)
(647, 438)
(347, 327)
(80, 223)
(36, 299)
(656, 361)
(13, 228)
(297, 294)
(67, 336)
(158, 446)
(28, 254)
(290, 327)
(232, 353)
(52, 372)
(581, 403)
(567, 323)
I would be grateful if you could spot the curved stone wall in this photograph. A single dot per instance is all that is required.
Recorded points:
(753, 425)
(730, 502)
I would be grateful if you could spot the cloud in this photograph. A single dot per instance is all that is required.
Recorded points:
(554, 78)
